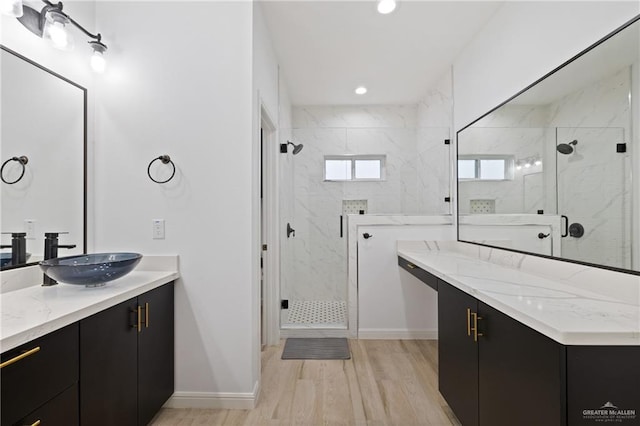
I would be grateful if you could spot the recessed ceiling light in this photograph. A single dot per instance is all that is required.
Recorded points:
(386, 6)
(361, 90)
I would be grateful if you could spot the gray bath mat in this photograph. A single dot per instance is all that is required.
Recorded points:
(324, 348)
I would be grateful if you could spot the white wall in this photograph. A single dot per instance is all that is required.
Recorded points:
(524, 41)
(393, 304)
(187, 93)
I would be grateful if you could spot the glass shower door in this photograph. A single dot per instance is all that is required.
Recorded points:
(593, 192)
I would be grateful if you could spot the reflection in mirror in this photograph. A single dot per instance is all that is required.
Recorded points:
(570, 137)
(42, 119)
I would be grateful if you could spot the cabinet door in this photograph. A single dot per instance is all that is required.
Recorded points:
(61, 410)
(108, 367)
(42, 369)
(457, 353)
(155, 352)
(521, 373)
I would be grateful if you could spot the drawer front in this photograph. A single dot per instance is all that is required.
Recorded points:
(419, 273)
(61, 410)
(31, 381)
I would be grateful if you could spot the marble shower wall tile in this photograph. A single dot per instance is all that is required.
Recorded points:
(594, 182)
(436, 107)
(373, 116)
(433, 170)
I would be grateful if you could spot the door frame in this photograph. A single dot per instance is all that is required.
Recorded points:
(270, 291)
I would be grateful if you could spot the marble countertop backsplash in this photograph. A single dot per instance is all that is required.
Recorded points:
(29, 311)
(543, 294)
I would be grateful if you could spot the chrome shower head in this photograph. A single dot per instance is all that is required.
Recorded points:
(566, 148)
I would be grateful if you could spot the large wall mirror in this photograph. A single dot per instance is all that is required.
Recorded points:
(42, 149)
(554, 170)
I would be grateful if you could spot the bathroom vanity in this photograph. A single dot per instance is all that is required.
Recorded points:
(101, 356)
(516, 347)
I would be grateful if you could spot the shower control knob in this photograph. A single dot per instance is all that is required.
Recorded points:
(367, 235)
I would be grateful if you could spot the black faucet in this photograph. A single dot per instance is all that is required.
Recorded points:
(51, 247)
(18, 248)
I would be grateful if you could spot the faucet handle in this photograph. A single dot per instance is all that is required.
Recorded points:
(54, 234)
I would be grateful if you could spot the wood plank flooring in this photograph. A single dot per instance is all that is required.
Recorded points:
(386, 382)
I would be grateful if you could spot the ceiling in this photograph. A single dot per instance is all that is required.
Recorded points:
(328, 48)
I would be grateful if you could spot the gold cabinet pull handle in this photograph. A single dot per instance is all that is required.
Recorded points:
(468, 322)
(146, 315)
(139, 311)
(411, 266)
(37, 423)
(19, 357)
(474, 328)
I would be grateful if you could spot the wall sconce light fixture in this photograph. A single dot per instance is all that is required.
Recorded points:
(528, 162)
(52, 24)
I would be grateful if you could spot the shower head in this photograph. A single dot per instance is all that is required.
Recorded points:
(566, 148)
(296, 148)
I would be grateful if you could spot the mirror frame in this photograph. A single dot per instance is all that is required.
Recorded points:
(84, 148)
(564, 64)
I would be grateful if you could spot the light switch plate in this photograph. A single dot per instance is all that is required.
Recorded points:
(158, 229)
(30, 229)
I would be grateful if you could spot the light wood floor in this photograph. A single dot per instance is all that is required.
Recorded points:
(386, 382)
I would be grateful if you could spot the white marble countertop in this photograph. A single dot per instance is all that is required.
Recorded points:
(565, 313)
(32, 312)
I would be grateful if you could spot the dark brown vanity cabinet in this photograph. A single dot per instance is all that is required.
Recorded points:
(457, 354)
(494, 370)
(39, 380)
(127, 360)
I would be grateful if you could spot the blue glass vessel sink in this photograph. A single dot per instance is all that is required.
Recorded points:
(92, 270)
(5, 258)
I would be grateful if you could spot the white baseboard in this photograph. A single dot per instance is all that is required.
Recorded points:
(397, 334)
(219, 400)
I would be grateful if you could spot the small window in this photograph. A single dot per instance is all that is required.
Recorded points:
(354, 167)
(484, 167)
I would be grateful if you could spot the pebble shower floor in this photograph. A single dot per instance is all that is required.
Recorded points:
(317, 312)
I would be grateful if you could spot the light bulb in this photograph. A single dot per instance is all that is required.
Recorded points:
(386, 6)
(361, 90)
(55, 31)
(527, 164)
(11, 8)
(98, 62)
(519, 166)
(538, 162)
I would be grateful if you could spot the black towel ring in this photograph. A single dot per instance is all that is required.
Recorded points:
(22, 160)
(165, 159)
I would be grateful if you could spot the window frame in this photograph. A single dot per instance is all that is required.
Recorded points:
(509, 167)
(352, 158)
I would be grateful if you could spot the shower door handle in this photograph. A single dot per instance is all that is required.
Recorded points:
(566, 226)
